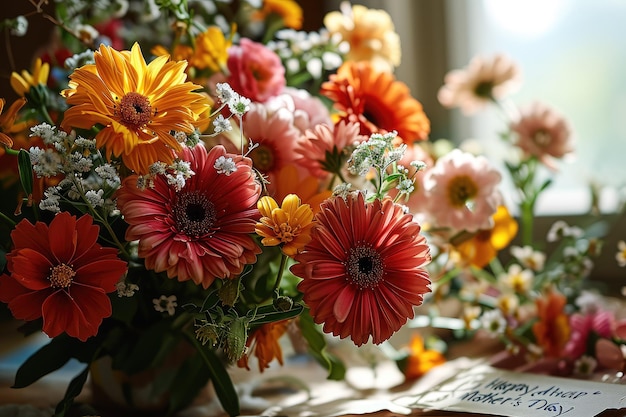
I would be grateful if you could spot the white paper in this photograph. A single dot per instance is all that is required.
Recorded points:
(483, 389)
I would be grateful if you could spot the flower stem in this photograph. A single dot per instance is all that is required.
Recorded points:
(281, 268)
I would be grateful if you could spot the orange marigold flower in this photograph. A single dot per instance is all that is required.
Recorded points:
(138, 105)
(7, 121)
(60, 272)
(552, 331)
(263, 344)
(420, 360)
(362, 272)
(485, 244)
(289, 225)
(377, 101)
(288, 10)
(22, 84)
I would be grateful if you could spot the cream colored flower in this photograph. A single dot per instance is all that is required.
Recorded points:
(369, 32)
(483, 80)
(517, 279)
(529, 257)
(620, 256)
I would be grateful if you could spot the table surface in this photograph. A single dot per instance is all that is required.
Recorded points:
(363, 393)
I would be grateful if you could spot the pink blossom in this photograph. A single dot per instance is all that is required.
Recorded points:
(461, 191)
(308, 110)
(542, 132)
(256, 72)
(582, 325)
(483, 80)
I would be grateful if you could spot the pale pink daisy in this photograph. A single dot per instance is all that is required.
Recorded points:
(483, 80)
(314, 147)
(599, 323)
(202, 232)
(461, 190)
(275, 135)
(308, 110)
(542, 132)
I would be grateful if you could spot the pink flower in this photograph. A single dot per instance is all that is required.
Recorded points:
(203, 231)
(312, 147)
(483, 80)
(256, 72)
(308, 111)
(582, 325)
(276, 137)
(542, 132)
(461, 190)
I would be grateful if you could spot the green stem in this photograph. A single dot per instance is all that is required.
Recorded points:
(43, 111)
(8, 219)
(281, 268)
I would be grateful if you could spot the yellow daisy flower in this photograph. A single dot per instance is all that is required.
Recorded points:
(289, 224)
(137, 105)
(22, 84)
(212, 49)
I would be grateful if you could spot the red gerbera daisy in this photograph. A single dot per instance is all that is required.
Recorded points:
(363, 269)
(377, 101)
(59, 272)
(203, 231)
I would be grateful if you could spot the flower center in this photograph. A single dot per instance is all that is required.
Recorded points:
(285, 233)
(135, 110)
(194, 214)
(61, 276)
(262, 158)
(542, 138)
(364, 267)
(483, 89)
(461, 190)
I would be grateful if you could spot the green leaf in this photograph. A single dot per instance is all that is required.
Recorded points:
(229, 292)
(317, 348)
(26, 171)
(152, 345)
(73, 389)
(47, 359)
(187, 383)
(268, 314)
(221, 379)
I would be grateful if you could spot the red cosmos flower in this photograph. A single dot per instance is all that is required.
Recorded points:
(362, 271)
(202, 232)
(60, 273)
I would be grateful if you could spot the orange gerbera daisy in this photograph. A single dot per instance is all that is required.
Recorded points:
(377, 101)
(60, 272)
(363, 269)
(485, 244)
(263, 344)
(7, 121)
(552, 331)
(138, 105)
(289, 225)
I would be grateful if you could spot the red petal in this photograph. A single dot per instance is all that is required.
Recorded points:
(63, 237)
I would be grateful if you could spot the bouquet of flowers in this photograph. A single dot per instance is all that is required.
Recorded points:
(194, 179)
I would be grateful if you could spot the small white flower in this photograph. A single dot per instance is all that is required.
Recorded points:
(180, 136)
(165, 304)
(588, 302)
(94, 198)
(314, 67)
(585, 365)
(221, 124)
(108, 173)
(517, 279)
(493, 321)
(126, 290)
(48, 163)
(43, 130)
(560, 229)
(342, 190)
(19, 26)
(240, 106)
(406, 186)
(418, 165)
(225, 165)
(529, 257)
(51, 200)
(225, 93)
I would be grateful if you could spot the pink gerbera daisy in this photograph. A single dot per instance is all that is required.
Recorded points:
(321, 149)
(543, 132)
(203, 231)
(363, 269)
(275, 135)
(461, 191)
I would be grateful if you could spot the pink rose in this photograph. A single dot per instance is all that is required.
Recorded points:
(256, 72)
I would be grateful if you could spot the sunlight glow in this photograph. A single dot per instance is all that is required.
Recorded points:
(525, 18)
